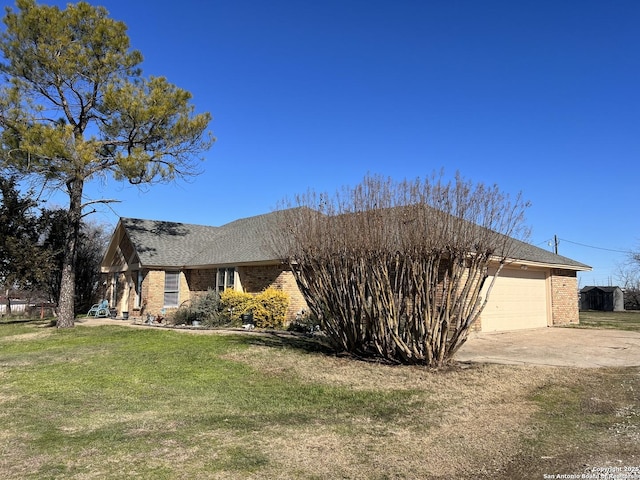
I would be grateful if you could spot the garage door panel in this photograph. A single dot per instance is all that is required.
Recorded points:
(518, 300)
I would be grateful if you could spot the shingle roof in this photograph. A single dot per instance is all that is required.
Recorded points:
(171, 244)
(160, 243)
(247, 240)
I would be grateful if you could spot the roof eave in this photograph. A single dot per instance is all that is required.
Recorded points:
(256, 263)
(531, 263)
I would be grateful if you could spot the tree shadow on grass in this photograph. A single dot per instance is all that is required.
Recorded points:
(287, 340)
(24, 321)
(306, 343)
(317, 343)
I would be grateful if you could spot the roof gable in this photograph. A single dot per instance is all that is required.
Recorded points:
(167, 244)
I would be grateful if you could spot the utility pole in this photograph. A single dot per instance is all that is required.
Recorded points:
(555, 244)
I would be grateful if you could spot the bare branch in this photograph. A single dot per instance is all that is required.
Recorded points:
(397, 270)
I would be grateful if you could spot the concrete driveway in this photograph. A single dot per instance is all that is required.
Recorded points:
(570, 347)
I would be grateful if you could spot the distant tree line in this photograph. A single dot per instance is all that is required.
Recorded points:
(32, 246)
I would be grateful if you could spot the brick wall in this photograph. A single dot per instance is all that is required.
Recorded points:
(564, 297)
(563, 287)
(196, 282)
(153, 292)
(200, 280)
(257, 279)
(287, 282)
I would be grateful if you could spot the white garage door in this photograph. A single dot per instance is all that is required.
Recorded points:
(518, 300)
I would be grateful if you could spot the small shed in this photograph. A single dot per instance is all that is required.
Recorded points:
(608, 299)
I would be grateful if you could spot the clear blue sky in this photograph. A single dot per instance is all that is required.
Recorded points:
(537, 96)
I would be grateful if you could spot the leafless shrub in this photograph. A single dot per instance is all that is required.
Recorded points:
(397, 269)
(628, 274)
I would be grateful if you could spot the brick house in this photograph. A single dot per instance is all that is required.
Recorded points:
(154, 266)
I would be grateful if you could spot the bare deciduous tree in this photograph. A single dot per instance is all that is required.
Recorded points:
(397, 270)
(628, 274)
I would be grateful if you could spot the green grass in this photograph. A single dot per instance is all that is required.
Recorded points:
(124, 390)
(628, 320)
(118, 402)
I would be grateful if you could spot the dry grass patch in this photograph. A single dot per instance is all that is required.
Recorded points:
(467, 423)
(483, 421)
(23, 337)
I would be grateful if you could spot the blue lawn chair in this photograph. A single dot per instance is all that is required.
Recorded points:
(99, 310)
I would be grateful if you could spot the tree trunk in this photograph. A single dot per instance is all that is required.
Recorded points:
(66, 300)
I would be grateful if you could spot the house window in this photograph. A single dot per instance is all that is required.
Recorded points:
(225, 279)
(139, 278)
(171, 288)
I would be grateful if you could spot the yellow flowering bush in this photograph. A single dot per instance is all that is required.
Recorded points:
(269, 307)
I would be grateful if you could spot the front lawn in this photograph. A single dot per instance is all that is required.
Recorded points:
(119, 402)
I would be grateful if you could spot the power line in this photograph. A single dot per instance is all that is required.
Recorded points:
(596, 248)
